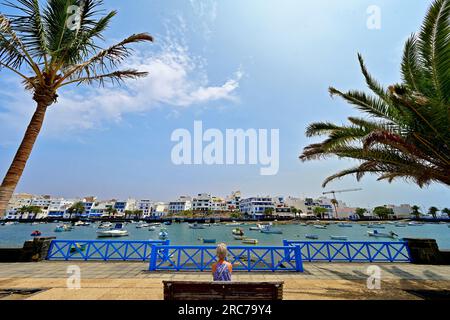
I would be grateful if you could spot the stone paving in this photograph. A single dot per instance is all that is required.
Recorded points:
(131, 280)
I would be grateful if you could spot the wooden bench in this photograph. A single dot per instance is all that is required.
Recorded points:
(197, 290)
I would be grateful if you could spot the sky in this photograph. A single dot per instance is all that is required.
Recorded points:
(232, 65)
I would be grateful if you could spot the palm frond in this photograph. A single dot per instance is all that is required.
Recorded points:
(116, 77)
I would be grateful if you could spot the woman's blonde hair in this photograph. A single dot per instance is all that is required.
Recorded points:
(222, 250)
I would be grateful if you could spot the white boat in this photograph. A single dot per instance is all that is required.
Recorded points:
(415, 224)
(270, 230)
(112, 233)
(254, 228)
(81, 224)
(105, 225)
(152, 228)
(142, 225)
(339, 238)
(318, 226)
(250, 241)
(377, 234)
(155, 224)
(232, 224)
(238, 232)
(196, 226)
(117, 231)
(312, 236)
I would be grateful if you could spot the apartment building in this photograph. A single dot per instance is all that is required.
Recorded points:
(184, 203)
(256, 206)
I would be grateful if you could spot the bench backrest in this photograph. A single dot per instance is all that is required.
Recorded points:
(197, 290)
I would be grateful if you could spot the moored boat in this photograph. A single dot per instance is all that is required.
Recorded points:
(270, 230)
(250, 241)
(239, 237)
(238, 232)
(312, 236)
(105, 225)
(377, 234)
(117, 231)
(344, 238)
(81, 224)
(208, 240)
(254, 229)
(345, 225)
(151, 228)
(318, 226)
(196, 226)
(375, 226)
(36, 233)
(163, 234)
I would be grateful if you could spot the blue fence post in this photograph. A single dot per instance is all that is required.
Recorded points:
(153, 257)
(49, 252)
(287, 257)
(298, 259)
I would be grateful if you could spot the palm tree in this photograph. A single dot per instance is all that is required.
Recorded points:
(446, 211)
(415, 211)
(433, 212)
(77, 208)
(406, 134)
(53, 47)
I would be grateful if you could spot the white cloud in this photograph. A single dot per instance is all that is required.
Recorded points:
(206, 11)
(176, 79)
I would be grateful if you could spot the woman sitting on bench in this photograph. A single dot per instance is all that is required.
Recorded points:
(222, 269)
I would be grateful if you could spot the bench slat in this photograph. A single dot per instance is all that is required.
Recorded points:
(201, 290)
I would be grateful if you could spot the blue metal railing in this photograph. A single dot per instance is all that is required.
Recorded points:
(243, 258)
(352, 251)
(102, 250)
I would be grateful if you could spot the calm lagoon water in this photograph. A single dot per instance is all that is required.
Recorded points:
(180, 233)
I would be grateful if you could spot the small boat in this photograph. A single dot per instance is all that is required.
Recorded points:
(142, 225)
(168, 223)
(375, 226)
(377, 234)
(400, 225)
(250, 241)
(9, 223)
(238, 232)
(63, 228)
(344, 238)
(81, 224)
(117, 231)
(270, 230)
(312, 236)
(345, 225)
(151, 228)
(36, 233)
(155, 224)
(163, 234)
(196, 226)
(105, 225)
(363, 224)
(208, 240)
(240, 237)
(232, 224)
(415, 224)
(254, 229)
(318, 226)
(59, 229)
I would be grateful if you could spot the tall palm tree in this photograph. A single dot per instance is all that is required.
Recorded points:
(53, 47)
(415, 211)
(407, 131)
(433, 212)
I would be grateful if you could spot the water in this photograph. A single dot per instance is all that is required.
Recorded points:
(13, 236)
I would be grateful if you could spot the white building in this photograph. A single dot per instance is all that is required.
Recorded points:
(256, 206)
(145, 206)
(282, 209)
(201, 203)
(184, 203)
(401, 211)
(160, 209)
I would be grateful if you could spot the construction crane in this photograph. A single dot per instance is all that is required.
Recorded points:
(335, 202)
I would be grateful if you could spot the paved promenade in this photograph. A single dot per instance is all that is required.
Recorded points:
(131, 280)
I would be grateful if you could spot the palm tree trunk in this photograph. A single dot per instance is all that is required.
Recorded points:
(15, 171)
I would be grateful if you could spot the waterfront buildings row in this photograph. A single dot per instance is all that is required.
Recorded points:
(202, 203)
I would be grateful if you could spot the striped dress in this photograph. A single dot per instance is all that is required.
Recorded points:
(222, 271)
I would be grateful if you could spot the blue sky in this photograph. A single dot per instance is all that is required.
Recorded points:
(232, 64)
